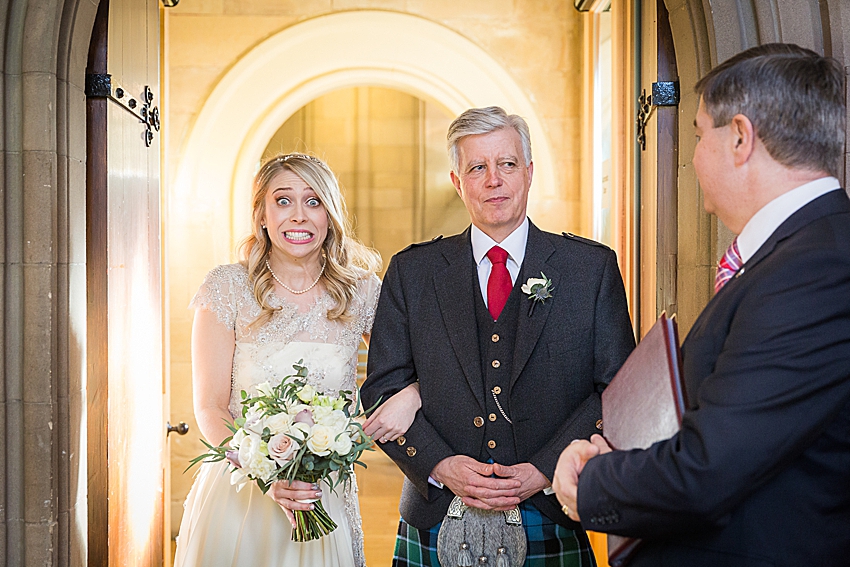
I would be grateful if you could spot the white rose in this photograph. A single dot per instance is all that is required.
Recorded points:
(300, 430)
(259, 465)
(306, 393)
(278, 423)
(265, 469)
(282, 448)
(335, 419)
(295, 409)
(527, 286)
(249, 450)
(321, 439)
(237, 438)
(239, 479)
(254, 421)
(265, 389)
(342, 445)
(321, 413)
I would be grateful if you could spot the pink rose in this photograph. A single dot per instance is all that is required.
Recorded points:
(304, 416)
(281, 448)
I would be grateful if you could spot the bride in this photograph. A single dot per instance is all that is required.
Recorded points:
(305, 289)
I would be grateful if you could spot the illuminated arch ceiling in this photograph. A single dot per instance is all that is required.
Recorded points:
(309, 59)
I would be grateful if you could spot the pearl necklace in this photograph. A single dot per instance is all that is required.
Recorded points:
(289, 289)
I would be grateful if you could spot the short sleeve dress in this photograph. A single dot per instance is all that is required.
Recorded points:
(221, 526)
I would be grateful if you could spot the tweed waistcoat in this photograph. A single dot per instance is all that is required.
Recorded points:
(496, 341)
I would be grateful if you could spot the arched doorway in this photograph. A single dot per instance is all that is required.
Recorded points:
(208, 204)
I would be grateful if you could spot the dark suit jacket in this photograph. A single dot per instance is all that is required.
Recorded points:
(760, 472)
(565, 354)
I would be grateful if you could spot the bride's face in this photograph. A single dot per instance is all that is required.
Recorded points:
(295, 218)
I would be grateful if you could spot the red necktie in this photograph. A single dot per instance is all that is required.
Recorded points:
(499, 285)
(728, 266)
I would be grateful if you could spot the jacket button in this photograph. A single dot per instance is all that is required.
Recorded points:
(492, 417)
(496, 364)
(495, 338)
(401, 440)
(491, 444)
(411, 451)
(599, 424)
(497, 390)
(478, 421)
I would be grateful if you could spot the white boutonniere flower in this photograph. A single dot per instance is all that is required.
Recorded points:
(537, 289)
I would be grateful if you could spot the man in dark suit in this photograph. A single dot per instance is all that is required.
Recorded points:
(760, 472)
(506, 381)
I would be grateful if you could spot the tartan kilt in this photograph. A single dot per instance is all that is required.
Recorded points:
(549, 544)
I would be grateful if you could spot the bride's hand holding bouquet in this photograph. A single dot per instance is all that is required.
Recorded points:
(291, 439)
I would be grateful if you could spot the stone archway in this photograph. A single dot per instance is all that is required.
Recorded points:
(317, 56)
(43, 298)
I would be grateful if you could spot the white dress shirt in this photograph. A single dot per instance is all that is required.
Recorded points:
(514, 245)
(765, 222)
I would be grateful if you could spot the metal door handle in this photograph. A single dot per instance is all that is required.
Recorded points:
(181, 428)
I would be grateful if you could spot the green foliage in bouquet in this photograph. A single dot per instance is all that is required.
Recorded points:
(291, 432)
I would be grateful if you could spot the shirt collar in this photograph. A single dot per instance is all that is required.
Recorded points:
(514, 244)
(759, 228)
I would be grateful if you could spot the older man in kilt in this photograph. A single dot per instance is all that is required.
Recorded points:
(510, 370)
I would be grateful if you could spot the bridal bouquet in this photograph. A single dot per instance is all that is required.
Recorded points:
(291, 432)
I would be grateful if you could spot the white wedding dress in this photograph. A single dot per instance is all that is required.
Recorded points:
(223, 527)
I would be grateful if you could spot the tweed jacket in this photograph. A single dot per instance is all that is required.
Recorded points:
(759, 474)
(566, 352)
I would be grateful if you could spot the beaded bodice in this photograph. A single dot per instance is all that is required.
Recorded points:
(266, 353)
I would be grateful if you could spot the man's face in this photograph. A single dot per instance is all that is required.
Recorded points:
(714, 162)
(493, 181)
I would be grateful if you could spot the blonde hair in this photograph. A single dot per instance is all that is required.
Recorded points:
(342, 251)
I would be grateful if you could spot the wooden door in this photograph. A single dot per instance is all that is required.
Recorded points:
(658, 191)
(126, 414)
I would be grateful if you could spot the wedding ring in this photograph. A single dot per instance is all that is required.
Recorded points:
(565, 509)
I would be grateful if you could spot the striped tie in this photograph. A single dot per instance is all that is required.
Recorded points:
(728, 266)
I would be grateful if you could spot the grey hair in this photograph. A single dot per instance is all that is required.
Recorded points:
(483, 121)
(794, 98)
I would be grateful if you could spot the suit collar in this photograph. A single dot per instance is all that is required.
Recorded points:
(834, 202)
(830, 203)
(771, 216)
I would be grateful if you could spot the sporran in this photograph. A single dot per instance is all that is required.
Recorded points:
(470, 537)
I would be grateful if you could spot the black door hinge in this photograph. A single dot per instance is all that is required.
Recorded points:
(101, 85)
(664, 93)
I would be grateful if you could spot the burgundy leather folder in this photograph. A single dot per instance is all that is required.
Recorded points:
(644, 404)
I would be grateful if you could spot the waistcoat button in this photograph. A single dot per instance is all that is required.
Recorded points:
(478, 421)
(492, 417)
(497, 390)
(495, 338)
(491, 444)
(496, 364)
